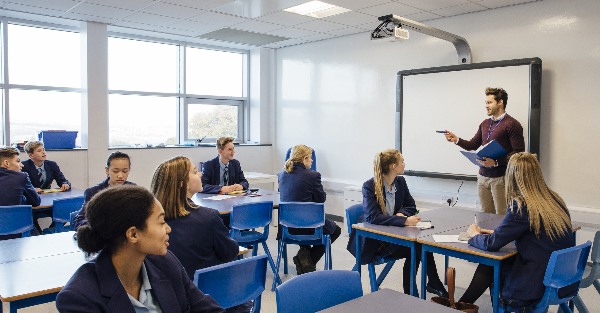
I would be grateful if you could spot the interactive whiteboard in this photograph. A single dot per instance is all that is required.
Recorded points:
(453, 98)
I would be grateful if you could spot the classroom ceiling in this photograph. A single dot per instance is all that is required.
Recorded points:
(249, 23)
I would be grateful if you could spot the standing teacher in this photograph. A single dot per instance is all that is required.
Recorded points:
(508, 132)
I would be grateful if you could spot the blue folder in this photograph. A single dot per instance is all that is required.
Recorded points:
(493, 150)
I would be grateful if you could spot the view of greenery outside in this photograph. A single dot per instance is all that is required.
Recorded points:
(212, 121)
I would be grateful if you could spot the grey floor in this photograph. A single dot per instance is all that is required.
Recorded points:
(342, 259)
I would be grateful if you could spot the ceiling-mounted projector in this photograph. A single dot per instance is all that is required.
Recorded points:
(390, 28)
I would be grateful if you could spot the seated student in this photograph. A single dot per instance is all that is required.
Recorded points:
(223, 174)
(538, 221)
(15, 185)
(298, 183)
(198, 238)
(134, 271)
(41, 171)
(387, 201)
(117, 169)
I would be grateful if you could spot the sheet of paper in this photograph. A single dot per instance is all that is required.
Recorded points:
(219, 197)
(52, 190)
(423, 225)
(447, 238)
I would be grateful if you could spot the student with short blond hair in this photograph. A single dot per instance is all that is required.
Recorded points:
(42, 171)
(223, 174)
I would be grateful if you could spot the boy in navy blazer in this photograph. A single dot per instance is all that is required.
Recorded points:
(223, 174)
(41, 171)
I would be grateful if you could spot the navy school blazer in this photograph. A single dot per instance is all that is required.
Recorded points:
(372, 213)
(52, 173)
(17, 189)
(211, 175)
(525, 275)
(95, 287)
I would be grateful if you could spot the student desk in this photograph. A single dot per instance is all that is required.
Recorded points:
(466, 252)
(388, 301)
(224, 206)
(443, 219)
(34, 269)
(260, 178)
(49, 197)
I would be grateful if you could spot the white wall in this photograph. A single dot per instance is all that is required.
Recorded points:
(338, 95)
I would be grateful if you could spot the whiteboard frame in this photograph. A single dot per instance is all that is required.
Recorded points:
(535, 86)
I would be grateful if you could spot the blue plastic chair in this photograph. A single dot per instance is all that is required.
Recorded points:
(354, 214)
(314, 157)
(565, 267)
(301, 215)
(245, 219)
(315, 291)
(61, 212)
(235, 282)
(592, 274)
(16, 219)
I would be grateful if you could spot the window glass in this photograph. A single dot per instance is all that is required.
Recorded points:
(212, 121)
(211, 72)
(142, 66)
(43, 57)
(32, 111)
(142, 120)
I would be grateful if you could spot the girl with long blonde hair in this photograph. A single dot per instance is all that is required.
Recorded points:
(537, 220)
(387, 201)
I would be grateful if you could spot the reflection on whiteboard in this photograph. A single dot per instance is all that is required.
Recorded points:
(455, 101)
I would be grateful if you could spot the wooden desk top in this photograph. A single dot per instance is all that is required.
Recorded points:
(35, 277)
(48, 198)
(388, 301)
(224, 206)
(37, 247)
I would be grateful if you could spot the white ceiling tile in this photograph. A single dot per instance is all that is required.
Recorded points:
(101, 11)
(129, 4)
(492, 4)
(459, 9)
(347, 31)
(285, 18)
(356, 4)
(318, 37)
(320, 26)
(285, 43)
(256, 26)
(256, 8)
(390, 8)
(423, 16)
(62, 5)
(171, 10)
(292, 32)
(430, 5)
(151, 19)
(90, 18)
(34, 10)
(218, 19)
(351, 18)
(196, 27)
(199, 4)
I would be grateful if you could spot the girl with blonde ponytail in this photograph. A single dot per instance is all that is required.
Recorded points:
(298, 183)
(538, 221)
(387, 201)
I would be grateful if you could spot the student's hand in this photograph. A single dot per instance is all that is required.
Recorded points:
(451, 137)
(486, 231)
(39, 190)
(237, 187)
(226, 189)
(412, 220)
(487, 162)
(400, 214)
(473, 230)
(65, 187)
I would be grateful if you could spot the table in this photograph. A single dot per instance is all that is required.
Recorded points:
(444, 219)
(224, 206)
(34, 269)
(261, 178)
(48, 198)
(388, 301)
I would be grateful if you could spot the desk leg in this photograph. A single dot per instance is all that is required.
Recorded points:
(357, 251)
(496, 288)
(413, 272)
(423, 273)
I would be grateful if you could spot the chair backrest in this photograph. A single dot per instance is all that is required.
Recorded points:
(354, 214)
(566, 266)
(313, 166)
(301, 214)
(62, 208)
(16, 219)
(595, 257)
(235, 282)
(251, 215)
(315, 291)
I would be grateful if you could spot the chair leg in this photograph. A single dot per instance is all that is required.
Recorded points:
(285, 259)
(256, 305)
(279, 253)
(581, 308)
(372, 278)
(270, 259)
(565, 308)
(446, 263)
(255, 250)
(597, 285)
(384, 272)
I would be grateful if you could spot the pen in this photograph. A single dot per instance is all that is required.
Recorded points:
(475, 219)
(422, 221)
(441, 131)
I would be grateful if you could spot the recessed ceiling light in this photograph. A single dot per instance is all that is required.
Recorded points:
(317, 9)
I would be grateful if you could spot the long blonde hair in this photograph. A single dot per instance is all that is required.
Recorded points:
(381, 166)
(169, 186)
(525, 185)
(298, 154)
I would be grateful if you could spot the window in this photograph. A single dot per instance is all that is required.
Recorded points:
(215, 73)
(213, 119)
(44, 81)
